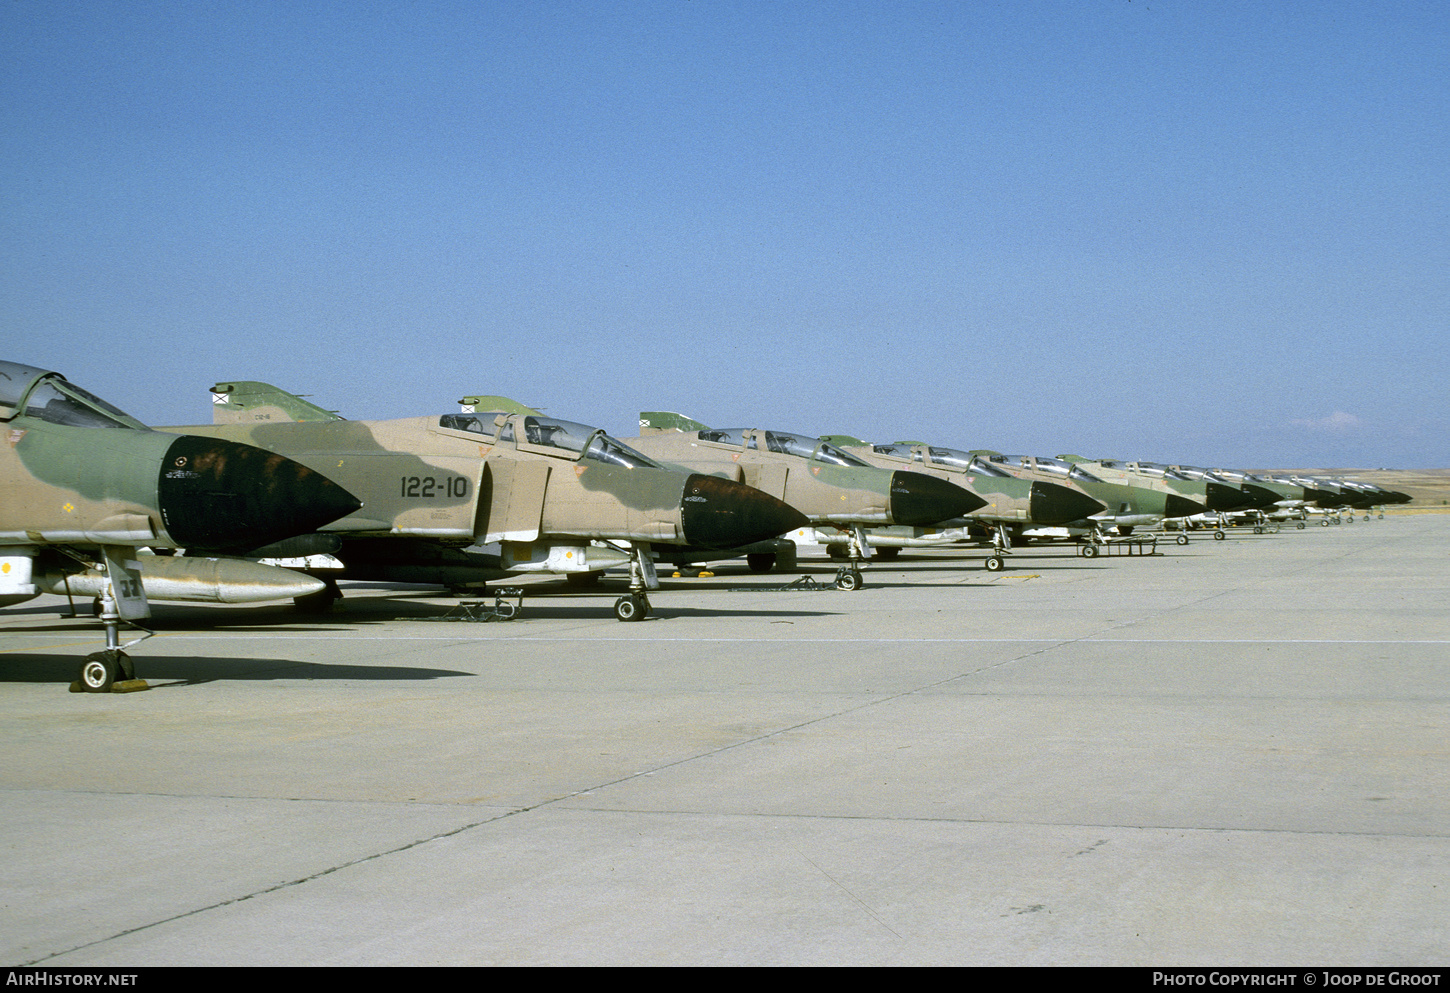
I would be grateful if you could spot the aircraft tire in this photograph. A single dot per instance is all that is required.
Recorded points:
(849, 580)
(100, 669)
(1300, 525)
(1218, 536)
(1090, 551)
(629, 608)
(1182, 539)
(995, 564)
(760, 561)
(315, 603)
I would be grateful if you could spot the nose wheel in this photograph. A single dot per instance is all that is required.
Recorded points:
(111, 670)
(101, 671)
(849, 578)
(632, 607)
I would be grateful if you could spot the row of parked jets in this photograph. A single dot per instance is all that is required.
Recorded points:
(279, 498)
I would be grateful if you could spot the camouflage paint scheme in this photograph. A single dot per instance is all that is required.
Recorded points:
(1129, 501)
(84, 486)
(824, 484)
(440, 489)
(1009, 500)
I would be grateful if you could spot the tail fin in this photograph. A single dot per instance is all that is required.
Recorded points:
(663, 421)
(246, 402)
(472, 405)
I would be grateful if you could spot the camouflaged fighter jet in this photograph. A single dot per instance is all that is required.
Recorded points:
(1332, 496)
(1172, 483)
(85, 487)
(831, 488)
(1374, 496)
(1011, 503)
(1131, 501)
(1257, 502)
(462, 498)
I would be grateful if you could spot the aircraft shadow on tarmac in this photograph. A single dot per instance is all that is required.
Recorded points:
(162, 672)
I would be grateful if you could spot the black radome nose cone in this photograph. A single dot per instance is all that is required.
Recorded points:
(1179, 506)
(721, 513)
(1054, 504)
(918, 499)
(1263, 497)
(222, 495)
(1223, 496)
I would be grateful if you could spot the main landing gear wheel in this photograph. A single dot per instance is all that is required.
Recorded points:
(1300, 525)
(995, 564)
(1182, 539)
(849, 579)
(1218, 536)
(1090, 551)
(101, 670)
(1258, 529)
(634, 607)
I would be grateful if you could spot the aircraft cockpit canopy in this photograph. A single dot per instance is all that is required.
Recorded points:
(47, 396)
(951, 458)
(1159, 471)
(572, 440)
(782, 443)
(988, 465)
(1059, 467)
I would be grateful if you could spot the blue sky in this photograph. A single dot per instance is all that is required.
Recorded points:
(1215, 233)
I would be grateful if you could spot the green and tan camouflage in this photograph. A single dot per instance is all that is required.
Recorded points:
(1009, 501)
(1180, 493)
(830, 487)
(464, 498)
(246, 401)
(84, 487)
(1130, 501)
(825, 484)
(1011, 504)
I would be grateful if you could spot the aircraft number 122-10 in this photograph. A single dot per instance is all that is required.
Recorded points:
(452, 487)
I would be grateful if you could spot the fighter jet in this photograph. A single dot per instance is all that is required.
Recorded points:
(1333, 495)
(1376, 496)
(1131, 501)
(1010, 503)
(830, 487)
(459, 499)
(1261, 502)
(85, 487)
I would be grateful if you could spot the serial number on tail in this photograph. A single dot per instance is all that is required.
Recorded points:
(428, 488)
